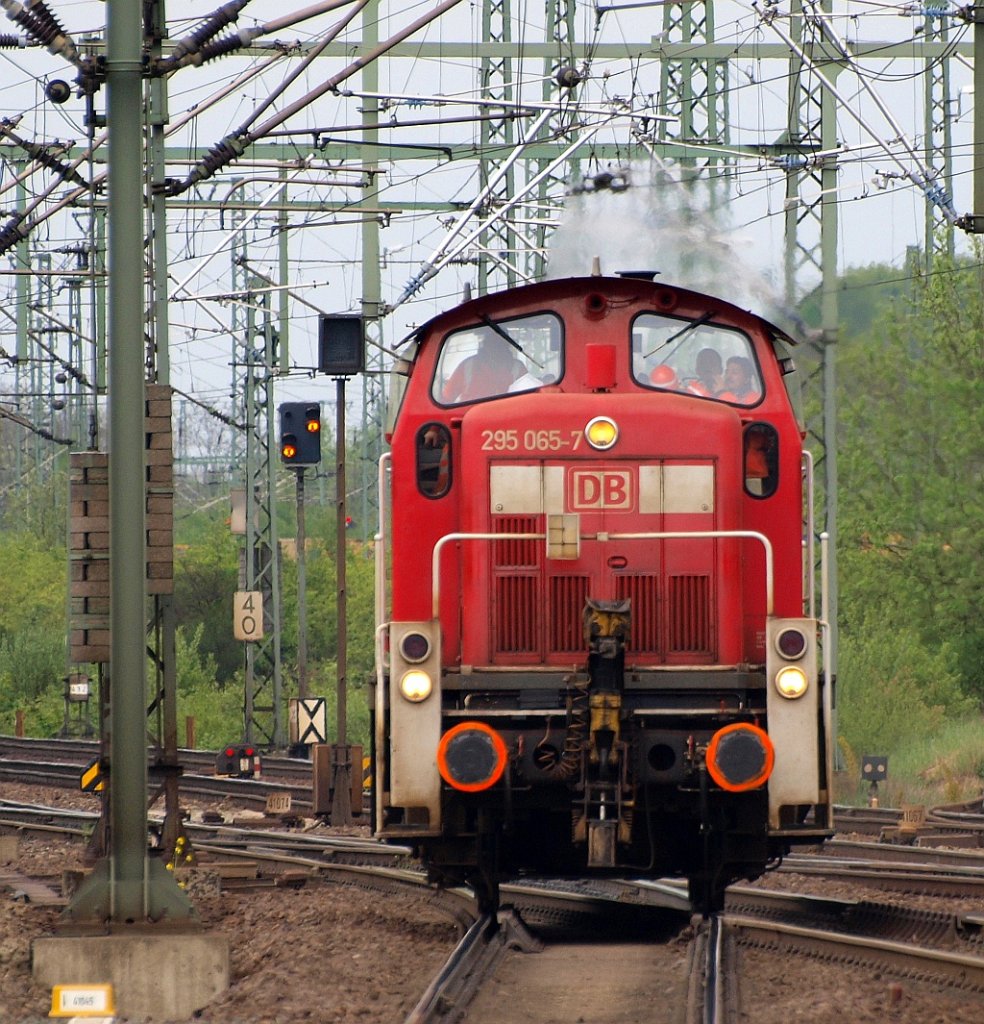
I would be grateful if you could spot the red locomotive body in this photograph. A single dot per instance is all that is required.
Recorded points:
(597, 656)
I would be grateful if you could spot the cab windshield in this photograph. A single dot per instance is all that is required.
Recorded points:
(696, 358)
(499, 357)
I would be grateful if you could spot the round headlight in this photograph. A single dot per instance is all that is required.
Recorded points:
(791, 682)
(416, 685)
(791, 643)
(414, 647)
(601, 433)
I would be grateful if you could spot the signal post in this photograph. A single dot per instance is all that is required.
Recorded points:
(300, 447)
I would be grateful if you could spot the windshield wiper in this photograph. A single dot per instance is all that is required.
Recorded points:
(503, 333)
(692, 326)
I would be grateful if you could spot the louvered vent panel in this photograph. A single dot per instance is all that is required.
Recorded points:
(515, 552)
(517, 615)
(689, 615)
(642, 591)
(565, 624)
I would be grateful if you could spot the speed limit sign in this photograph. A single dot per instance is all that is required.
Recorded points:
(247, 615)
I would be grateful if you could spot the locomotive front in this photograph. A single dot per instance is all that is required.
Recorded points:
(597, 657)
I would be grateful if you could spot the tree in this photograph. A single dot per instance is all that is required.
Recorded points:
(206, 576)
(911, 462)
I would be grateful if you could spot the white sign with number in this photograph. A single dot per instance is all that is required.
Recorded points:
(247, 615)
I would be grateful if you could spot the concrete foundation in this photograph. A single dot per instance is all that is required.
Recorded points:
(165, 977)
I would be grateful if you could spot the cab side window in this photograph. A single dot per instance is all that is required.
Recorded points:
(761, 449)
(434, 460)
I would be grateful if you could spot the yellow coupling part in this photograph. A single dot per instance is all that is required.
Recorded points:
(605, 717)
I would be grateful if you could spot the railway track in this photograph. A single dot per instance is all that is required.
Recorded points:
(918, 952)
(628, 942)
(80, 752)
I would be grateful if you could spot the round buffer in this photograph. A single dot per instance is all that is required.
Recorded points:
(471, 757)
(740, 757)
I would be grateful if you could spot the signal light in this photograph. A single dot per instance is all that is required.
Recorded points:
(791, 682)
(791, 643)
(238, 762)
(300, 433)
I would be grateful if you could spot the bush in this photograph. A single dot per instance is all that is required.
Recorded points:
(892, 690)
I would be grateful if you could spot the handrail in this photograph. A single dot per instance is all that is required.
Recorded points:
(380, 540)
(604, 536)
(379, 571)
(809, 574)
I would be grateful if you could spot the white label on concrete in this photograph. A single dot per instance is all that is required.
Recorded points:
(82, 1000)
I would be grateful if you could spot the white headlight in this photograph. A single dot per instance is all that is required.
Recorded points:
(791, 682)
(416, 685)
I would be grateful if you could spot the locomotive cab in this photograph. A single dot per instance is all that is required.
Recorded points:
(600, 655)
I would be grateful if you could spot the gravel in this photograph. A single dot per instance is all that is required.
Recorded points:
(337, 954)
(325, 953)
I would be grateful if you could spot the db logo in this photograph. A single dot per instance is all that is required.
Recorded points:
(594, 489)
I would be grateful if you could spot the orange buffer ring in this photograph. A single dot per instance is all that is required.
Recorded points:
(740, 757)
(471, 757)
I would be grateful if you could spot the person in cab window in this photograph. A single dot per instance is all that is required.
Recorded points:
(710, 374)
(490, 371)
(739, 381)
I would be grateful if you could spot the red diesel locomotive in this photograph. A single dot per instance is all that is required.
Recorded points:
(596, 643)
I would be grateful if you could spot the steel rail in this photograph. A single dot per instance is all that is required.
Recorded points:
(953, 969)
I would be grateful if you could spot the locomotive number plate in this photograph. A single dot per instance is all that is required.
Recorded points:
(531, 440)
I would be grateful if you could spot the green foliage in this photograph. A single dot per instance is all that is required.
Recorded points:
(31, 664)
(945, 766)
(44, 715)
(322, 607)
(911, 533)
(32, 598)
(206, 575)
(217, 710)
(218, 713)
(39, 506)
(892, 689)
(196, 668)
(864, 296)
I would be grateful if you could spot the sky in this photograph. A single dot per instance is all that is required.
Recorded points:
(739, 228)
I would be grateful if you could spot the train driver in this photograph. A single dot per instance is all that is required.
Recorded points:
(710, 377)
(491, 370)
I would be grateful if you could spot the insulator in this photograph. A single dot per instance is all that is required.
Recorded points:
(567, 77)
(43, 24)
(43, 16)
(210, 28)
(54, 164)
(225, 15)
(19, 16)
(40, 23)
(8, 42)
(12, 233)
(220, 47)
(221, 154)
